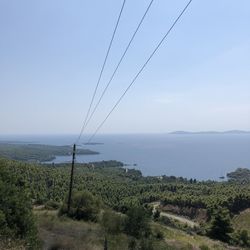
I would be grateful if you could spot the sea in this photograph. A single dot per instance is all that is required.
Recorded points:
(199, 156)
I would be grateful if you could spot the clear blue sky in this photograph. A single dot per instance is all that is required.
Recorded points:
(51, 53)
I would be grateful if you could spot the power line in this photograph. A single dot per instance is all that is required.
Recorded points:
(140, 71)
(101, 72)
(119, 63)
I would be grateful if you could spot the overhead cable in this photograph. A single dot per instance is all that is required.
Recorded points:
(119, 63)
(101, 72)
(140, 71)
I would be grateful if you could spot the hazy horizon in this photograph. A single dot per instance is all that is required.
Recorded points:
(131, 133)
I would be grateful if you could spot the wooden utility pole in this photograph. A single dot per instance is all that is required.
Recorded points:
(105, 243)
(71, 177)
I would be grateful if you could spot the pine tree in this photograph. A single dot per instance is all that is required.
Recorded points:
(220, 227)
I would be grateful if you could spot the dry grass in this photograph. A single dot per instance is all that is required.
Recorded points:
(242, 221)
(181, 240)
(66, 234)
(63, 233)
(11, 244)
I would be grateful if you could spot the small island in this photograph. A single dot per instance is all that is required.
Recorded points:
(229, 132)
(93, 143)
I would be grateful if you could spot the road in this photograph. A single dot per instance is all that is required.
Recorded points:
(175, 217)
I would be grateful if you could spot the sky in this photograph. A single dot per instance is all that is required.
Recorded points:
(51, 53)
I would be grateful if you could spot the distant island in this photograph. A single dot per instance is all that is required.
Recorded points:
(209, 132)
(93, 143)
(38, 152)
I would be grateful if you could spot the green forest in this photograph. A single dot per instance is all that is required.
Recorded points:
(122, 202)
(37, 152)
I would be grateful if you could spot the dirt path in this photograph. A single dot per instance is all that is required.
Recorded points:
(180, 219)
(175, 217)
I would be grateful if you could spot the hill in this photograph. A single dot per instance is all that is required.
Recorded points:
(37, 152)
(242, 221)
(126, 215)
(232, 132)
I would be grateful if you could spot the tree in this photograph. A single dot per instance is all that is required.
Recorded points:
(220, 227)
(240, 175)
(84, 206)
(16, 218)
(156, 214)
(136, 223)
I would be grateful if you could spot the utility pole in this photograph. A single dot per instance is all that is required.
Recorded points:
(71, 177)
(105, 243)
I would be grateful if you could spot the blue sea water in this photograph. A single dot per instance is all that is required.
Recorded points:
(200, 156)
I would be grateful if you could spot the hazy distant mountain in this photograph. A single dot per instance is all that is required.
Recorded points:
(210, 132)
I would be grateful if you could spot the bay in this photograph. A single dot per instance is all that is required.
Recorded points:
(200, 156)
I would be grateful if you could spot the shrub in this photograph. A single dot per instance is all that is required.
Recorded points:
(84, 206)
(159, 234)
(112, 223)
(204, 247)
(146, 244)
(156, 214)
(242, 238)
(132, 244)
(52, 205)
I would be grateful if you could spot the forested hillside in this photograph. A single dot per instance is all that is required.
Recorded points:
(37, 152)
(119, 187)
(207, 203)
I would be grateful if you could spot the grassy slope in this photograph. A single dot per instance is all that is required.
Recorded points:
(69, 234)
(11, 245)
(180, 240)
(242, 221)
(89, 236)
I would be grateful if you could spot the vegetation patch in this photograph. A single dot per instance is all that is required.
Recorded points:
(16, 218)
(242, 221)
(37, 152)
(119, 204)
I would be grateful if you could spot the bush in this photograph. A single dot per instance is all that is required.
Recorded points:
(52, 205)
(132, 245)
(146, 244)
(84, 206)
(112, 223)
(166, 221)
(159, 234)
(241, 238)
(156, 214)
(204, 247)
